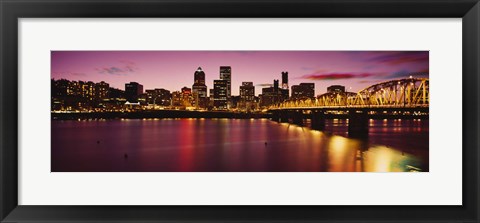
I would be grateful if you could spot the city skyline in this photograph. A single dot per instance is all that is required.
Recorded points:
(173, 70)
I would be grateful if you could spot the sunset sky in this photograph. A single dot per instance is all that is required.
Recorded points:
(173, 70)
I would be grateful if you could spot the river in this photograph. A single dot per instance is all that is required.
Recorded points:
(235, 145)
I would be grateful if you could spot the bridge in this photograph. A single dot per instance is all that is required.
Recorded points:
(402, 98)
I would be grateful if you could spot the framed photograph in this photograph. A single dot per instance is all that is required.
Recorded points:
(159, 111)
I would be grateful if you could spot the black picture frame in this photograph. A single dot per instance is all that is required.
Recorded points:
(11, 11)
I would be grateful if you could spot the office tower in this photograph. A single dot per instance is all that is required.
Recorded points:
(247, 91)
(271, 95)
(220, 94)
(285, 91)
(199, 77)
(247, 96)
(199, 89)
(226, 74)
(303, 90)
(132, 91)
(285, 80)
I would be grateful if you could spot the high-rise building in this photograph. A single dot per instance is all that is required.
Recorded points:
(285, 91)
(271, 95)
(336, 89)
(285, 80)
(226, 74)
(199, 77)
(247, 95)
(210, 98)
(220, 94)
(199, 89)
(102, 90)
(88, 90)
(303, 90)
(247, 91)
(132, 91)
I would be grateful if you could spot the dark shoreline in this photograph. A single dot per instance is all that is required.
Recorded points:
(157, 114)
(202, 114)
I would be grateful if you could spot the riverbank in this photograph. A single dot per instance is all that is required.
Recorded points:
(158, 114)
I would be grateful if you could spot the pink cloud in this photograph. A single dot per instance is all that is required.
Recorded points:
(336, 76)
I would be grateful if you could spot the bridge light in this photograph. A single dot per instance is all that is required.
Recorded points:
(410, 76)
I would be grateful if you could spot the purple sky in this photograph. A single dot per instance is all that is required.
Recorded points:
(173, 70)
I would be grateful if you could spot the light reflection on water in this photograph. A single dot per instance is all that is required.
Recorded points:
(237, 145)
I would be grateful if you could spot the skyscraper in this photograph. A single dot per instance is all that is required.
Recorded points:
(247, 95)
(199, 89)
(285, 90)
(285, 80)
(247, 91)
(220, 94)
(199, 77)
(132, 91)
(226, 74)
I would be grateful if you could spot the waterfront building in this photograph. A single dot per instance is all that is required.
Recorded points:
(210, 99)
(220, 94)
(158, 96)
(247, 95)
(336, 89)
(177, 99)
(187, 97)
(226, 74)
(271, 95)
(199, 89)
(102, 88)
(235, 102)
(303, 90)
(132, 91)
(285, 91)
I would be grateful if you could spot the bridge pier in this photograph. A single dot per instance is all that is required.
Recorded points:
(275, 116)
(357, 124)
(297, 118)
(283, 116)
(317, 120)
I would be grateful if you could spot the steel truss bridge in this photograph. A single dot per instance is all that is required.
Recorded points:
(401, 93)
(404, 98)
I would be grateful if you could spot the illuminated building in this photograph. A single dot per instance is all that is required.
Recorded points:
(187, 97)
(271, 95)
(199, 89)
(303, 90)
(102, 90)
(285, 90)
(247, 94)
(226, 74)
(158, 96)
(177, 99)
(220, 94)
(336, 89)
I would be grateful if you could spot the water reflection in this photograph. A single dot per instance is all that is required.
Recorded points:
(237, 145)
